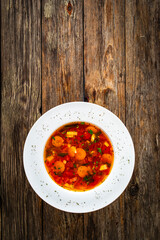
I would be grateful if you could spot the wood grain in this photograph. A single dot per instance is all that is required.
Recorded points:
(62, 81)
(62, 53)
(142, 206)
(104, 69)
(106, 52)
(20, 103)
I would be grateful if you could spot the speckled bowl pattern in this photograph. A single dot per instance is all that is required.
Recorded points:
(102, 195)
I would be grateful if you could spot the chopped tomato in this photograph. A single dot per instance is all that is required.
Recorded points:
(105, 149)
(67, 158)
(69, 164)
(70, 174)
(87, 136)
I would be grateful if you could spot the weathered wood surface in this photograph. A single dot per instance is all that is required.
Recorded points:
(104, 72)
(62, 81)
(106, 52)
(62, 53)
(20, 104)
(142, 201)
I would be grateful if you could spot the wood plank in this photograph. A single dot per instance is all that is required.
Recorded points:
(62, 55)
(104, 69)
(20, 104)
(142, 206)
(62, 81)
(104, 54)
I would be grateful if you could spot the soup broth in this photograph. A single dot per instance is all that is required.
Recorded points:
(78, 156)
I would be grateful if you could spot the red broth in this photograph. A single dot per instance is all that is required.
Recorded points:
(78, 156)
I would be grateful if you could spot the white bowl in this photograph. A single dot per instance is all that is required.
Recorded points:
(100, 196)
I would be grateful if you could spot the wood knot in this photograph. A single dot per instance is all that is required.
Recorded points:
(69, 8)
(24, 99)
(134, 189)
(107, 95)
(109, 50)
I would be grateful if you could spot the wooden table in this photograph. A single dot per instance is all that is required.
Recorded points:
(106, 52)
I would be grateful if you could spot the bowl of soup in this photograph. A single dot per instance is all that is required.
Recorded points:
(78, 157)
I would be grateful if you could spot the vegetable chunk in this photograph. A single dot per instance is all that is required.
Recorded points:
(72, 151)
(107, 158)
(83, 171)
(81, 154)
(103, 167)
(59, 167)
(57, 141)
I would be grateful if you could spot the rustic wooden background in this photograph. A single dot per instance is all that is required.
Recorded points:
(101, 51)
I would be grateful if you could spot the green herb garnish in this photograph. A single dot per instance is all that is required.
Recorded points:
(74, 165)
(82, 135)
(82, 123)
(85, 164)
(90, 131)
(86, 149)
(88, 179)
(98, 133)
(53, 138)
(99, 150)
(62, 154)
(71, 125)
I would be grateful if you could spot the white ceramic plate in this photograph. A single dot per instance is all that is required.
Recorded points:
(99, 197)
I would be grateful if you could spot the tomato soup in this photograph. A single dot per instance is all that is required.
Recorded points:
(78, 156)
